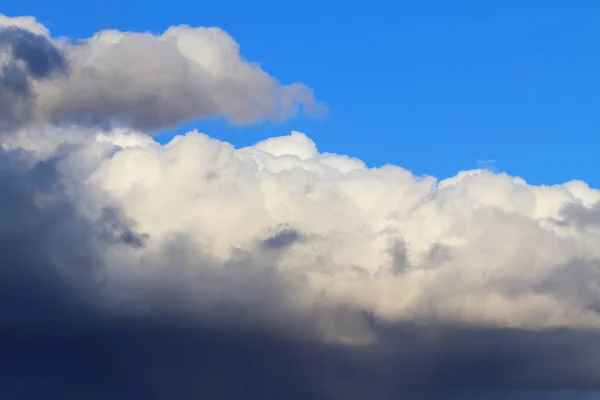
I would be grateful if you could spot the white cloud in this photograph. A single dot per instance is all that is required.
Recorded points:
(29, 23)
(152, 82)
(279, 229)
(481, 247)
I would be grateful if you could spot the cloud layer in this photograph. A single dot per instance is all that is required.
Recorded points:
(381, 281)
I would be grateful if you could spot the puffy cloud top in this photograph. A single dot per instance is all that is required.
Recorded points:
(139, 79)
(481, 247)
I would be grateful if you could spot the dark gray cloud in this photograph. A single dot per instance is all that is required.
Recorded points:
(42, 58)
(399, 254)
(155, 360)
(16, 104)
(50, 257)
(115, 228)
(31, 57)
(14, 79)
(282, 239)
(580, 216)
(56, 343)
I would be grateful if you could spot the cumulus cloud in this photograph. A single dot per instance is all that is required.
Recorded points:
(481, 247)
(174, 266)
(371, 273)
(140, 80)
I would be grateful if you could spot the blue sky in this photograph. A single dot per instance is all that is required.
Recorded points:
(433, 86)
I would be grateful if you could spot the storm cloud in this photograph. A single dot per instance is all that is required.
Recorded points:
(130, 269)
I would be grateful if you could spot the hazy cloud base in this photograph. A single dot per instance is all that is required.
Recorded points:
(196, 270)
(160, 361)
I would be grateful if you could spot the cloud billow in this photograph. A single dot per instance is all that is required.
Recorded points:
(141, 80)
